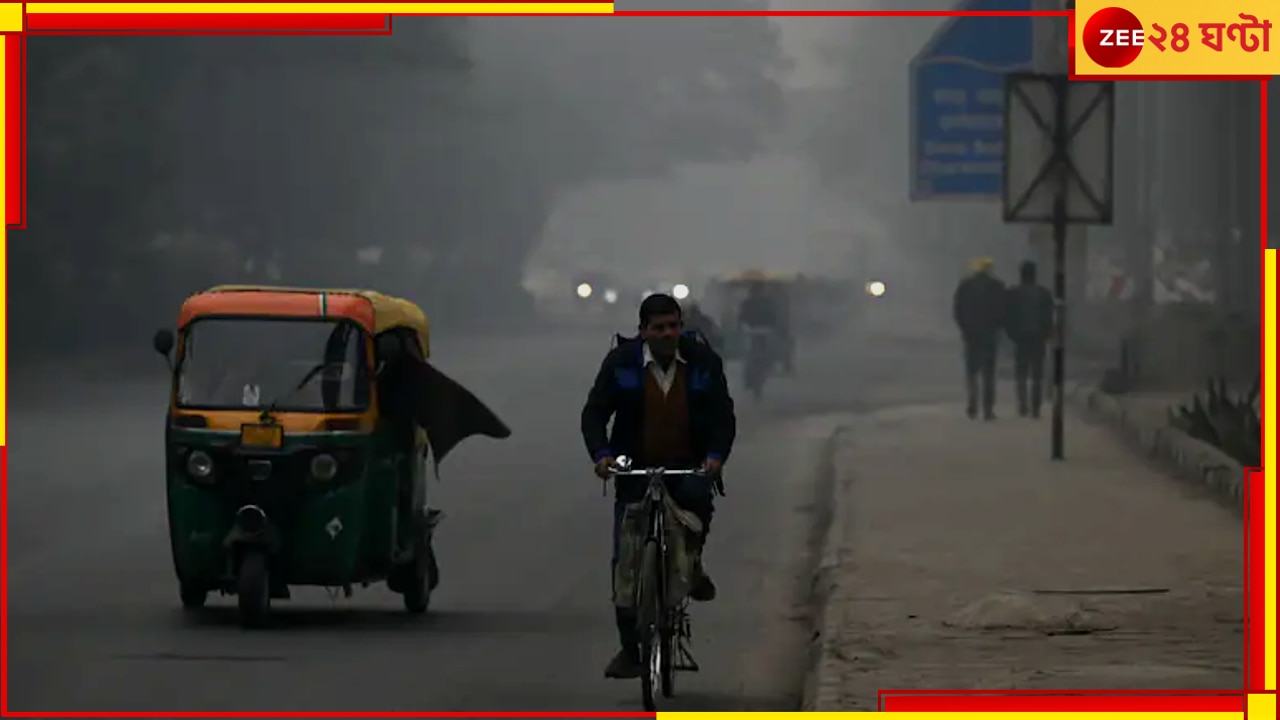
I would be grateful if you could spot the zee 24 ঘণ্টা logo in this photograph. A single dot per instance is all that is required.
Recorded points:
(1114, 37)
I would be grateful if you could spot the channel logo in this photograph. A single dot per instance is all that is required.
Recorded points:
(1113, 37)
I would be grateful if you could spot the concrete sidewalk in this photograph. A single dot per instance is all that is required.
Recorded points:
(960, 556)
(1142, 419)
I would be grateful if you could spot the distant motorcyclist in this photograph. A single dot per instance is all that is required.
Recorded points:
(1029, 325)
(758, 309)
(699, 322)
(762, 311)
(979, 311)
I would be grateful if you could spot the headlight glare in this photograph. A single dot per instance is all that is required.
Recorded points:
(199, 465)
(324, 467)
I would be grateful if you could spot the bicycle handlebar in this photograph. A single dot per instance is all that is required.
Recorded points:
(647, 472)
(622, 468)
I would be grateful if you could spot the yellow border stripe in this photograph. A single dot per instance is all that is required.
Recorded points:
(370, 8)
(1270, 258)
(1262, 707)
(974, 715)
(11, 17)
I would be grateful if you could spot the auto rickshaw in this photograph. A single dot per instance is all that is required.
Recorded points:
(823, 304)
(285, 464)
(726, 294)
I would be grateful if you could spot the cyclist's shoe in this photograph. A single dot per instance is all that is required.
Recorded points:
(703, 589)
(624, 666)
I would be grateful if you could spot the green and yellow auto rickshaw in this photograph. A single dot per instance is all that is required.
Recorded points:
(293, 453)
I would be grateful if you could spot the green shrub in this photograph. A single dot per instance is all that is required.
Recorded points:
(1231, 423)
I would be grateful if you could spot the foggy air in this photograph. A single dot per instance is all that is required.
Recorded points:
(765, 254)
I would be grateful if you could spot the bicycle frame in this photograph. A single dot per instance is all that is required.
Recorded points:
(655, 497)
(671, 623)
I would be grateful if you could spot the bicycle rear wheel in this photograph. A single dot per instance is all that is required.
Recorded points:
(649, 616)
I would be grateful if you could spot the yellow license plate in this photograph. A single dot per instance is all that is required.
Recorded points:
(264, 436)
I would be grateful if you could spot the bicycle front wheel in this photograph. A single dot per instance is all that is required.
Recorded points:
(667, 664)
(653, 649)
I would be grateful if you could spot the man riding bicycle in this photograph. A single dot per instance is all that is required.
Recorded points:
(666, 393)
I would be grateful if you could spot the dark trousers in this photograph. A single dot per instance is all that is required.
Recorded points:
(980, 371)
(691, 493)
(1028, 364)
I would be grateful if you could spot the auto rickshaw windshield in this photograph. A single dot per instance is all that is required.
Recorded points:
(255, 363)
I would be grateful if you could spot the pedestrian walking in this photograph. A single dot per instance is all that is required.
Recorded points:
(1029, 325)
(978, 309)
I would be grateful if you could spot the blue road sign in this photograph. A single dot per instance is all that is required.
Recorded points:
(957, 102)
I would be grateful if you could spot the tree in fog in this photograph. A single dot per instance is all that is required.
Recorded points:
(572, 102)
(160, 165)
(858, 133)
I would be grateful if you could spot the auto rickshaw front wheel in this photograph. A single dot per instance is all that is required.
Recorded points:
(253, 590)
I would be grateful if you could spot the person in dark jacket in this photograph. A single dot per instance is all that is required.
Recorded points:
(666, 393)
(699, 322)
(978, 309)
(1029, 325)
(411, 391)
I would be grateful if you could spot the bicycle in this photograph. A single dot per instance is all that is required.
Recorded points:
(664, 628)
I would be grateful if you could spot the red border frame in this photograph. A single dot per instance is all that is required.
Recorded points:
(890, 700)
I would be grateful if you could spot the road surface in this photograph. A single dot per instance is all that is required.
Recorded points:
(521, 620)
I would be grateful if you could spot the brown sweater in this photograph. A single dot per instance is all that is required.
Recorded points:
(666, 438)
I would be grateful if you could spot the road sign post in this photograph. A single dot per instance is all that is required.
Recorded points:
(1058, 170)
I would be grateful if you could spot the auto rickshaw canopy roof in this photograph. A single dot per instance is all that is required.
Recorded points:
(372, 310)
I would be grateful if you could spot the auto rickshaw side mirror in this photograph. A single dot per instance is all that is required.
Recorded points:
(163, 341)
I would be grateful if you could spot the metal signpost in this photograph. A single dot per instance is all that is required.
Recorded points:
(957, 99)
(1058, 170)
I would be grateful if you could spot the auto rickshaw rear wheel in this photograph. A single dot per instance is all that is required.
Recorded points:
(253, 590)
(193, 597)
(417, 594)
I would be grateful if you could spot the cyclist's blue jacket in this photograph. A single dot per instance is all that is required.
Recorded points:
(618, 394)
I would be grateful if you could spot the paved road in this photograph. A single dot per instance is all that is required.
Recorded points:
(521, 620)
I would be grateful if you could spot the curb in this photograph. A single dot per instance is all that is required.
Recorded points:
(823, 680)
(1190, 459)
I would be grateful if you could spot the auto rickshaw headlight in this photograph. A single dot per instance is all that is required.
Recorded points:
(199, 465)
(324, 467)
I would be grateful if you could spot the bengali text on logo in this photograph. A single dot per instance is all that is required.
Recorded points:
(1148, 38)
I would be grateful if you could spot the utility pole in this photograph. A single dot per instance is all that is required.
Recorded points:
(1043, 170)
(1051, 57)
